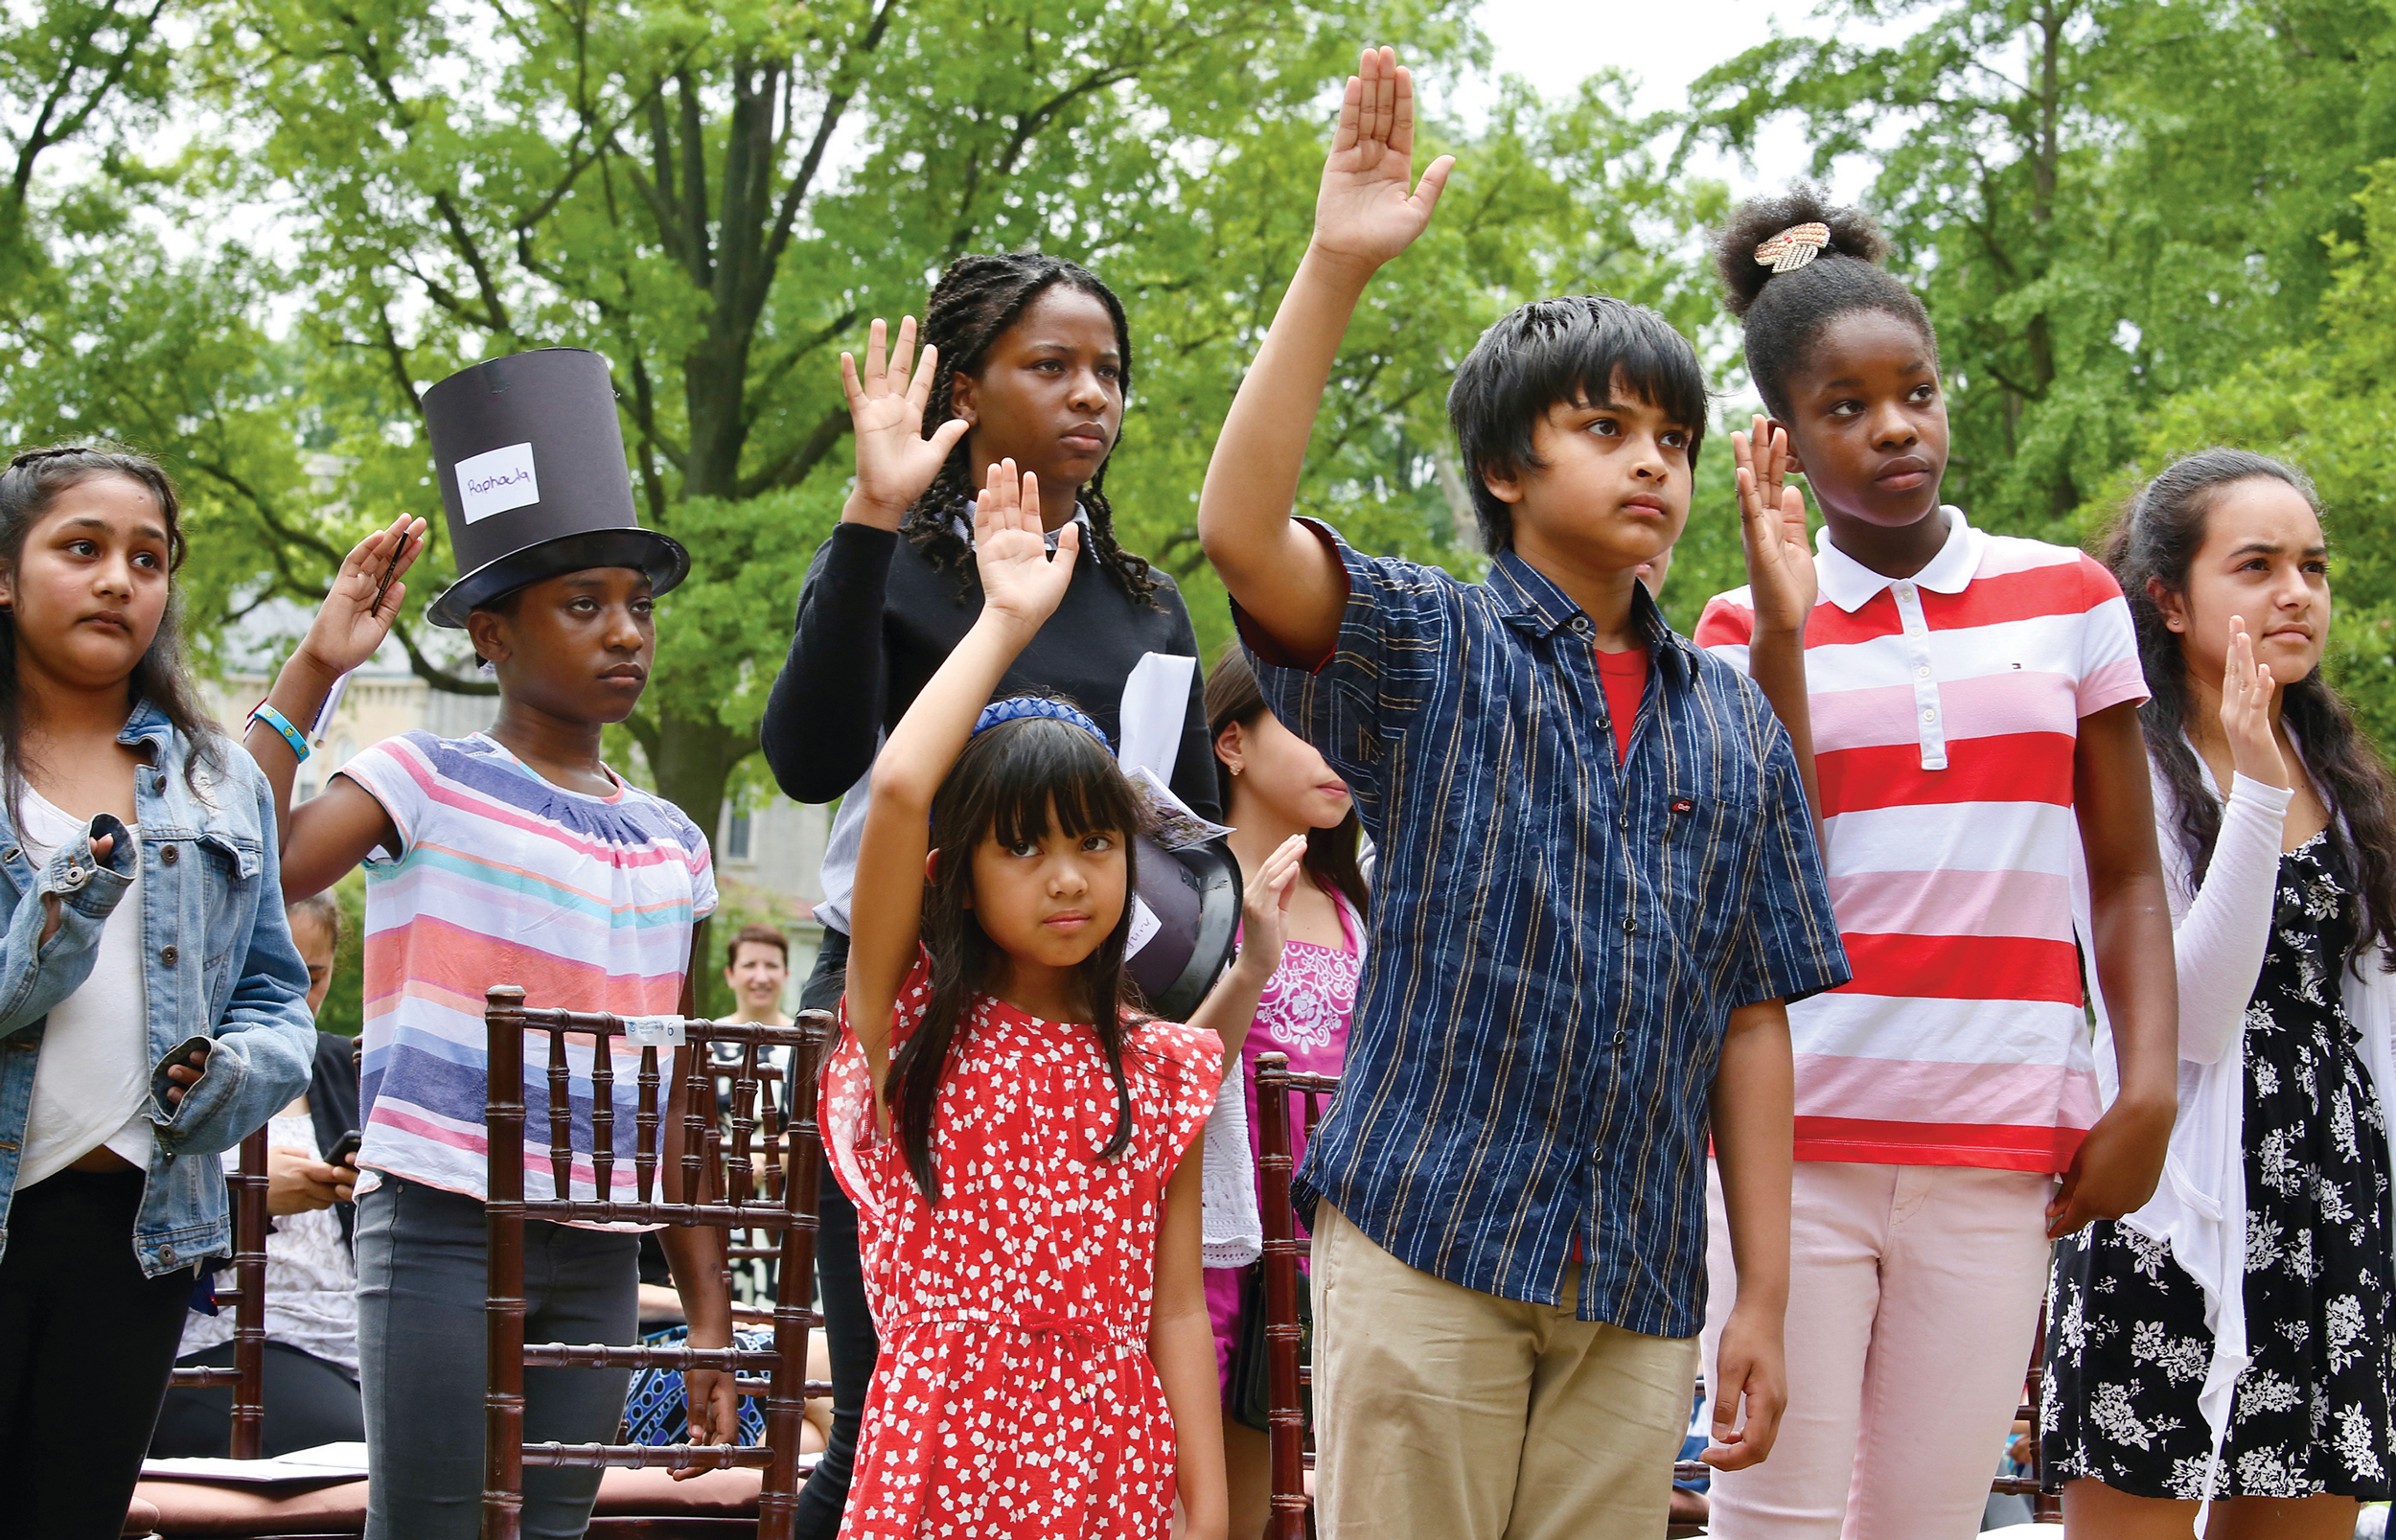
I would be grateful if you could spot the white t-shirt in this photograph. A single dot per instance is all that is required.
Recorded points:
(91, 1083)
(311, 1283)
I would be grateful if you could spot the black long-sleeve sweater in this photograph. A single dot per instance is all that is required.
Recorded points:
(876, 620)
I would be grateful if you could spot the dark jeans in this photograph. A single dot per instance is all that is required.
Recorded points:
(87, 1344)
(421, 1347)
(309, 1402)
(841, 1294)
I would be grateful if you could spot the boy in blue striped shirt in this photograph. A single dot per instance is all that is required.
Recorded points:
(1597, 885)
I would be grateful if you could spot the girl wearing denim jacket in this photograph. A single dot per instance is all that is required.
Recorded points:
(152, 1006)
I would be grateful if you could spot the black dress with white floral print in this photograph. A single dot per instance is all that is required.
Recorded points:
(2126, 1346)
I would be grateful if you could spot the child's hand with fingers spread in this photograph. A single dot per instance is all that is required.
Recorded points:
(895, 463)
(1019, 580)
(1772, 527)
(366, 598)
(1369, 209)
(2246, 712)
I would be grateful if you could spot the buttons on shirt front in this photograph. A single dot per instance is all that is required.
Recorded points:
(1923, 673)
(167, 954)
(168, 855)
(1929, 714)
(1621, 821)
(1581, 625)
(1629, 926)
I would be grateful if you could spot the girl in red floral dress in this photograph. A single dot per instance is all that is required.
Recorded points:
(1012, 1135)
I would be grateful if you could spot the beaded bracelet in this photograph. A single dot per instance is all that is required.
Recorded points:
(268, 714)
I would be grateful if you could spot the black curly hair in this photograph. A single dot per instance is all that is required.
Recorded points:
(970, 308)
(1784, 313)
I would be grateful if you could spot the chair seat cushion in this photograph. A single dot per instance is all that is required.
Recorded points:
(178, 1508)
(221, 1507)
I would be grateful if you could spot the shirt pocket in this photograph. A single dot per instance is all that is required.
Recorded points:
(1708, 852)
(228, 899)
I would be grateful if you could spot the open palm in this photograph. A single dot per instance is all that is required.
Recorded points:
(886, 411)
(1369, 209)
(365, 596)
(1781, 575)
(1011, 551)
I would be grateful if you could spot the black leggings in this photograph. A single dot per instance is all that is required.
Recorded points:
(841, 1294)
(309, 1402)
(87, 1344)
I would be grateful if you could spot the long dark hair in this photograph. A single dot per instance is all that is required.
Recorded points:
(162, 676)
(971, 308)
(1232, 696)
(2155, 540)
(1014, 781)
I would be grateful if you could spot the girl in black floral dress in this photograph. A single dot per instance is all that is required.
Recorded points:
(2274, 1217)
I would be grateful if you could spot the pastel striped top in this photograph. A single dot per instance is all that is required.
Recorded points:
(1945, 722)
(503, 878)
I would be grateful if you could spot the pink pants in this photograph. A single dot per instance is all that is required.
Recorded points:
(1913, 1301)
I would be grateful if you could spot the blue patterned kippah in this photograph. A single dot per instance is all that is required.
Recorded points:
(1018, 708)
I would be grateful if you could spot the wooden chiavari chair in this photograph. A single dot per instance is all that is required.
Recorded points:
(248, 1377)
(2046, 1505)
(720, 1186)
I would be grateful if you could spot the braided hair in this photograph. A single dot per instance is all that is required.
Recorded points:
(970, 308)
(1783, 312)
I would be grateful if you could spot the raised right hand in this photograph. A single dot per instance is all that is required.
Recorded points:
(1781, 577)
(2246, 712)
(895, 463)
(358, 610)
(1018, 579)
(1369, 209)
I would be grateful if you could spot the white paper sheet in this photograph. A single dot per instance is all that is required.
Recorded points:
(1156, 700)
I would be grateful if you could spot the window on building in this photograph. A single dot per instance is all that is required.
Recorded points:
(736, 837)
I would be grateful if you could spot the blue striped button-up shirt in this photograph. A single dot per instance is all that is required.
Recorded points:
(1557, 941)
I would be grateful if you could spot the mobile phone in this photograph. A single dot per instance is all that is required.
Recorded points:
(344, 1150)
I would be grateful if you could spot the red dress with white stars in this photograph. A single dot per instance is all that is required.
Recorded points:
(1014, 1395)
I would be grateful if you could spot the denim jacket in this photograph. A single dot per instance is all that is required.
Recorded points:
(218, 967)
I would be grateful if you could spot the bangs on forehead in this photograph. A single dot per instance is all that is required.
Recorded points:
(1047, 776)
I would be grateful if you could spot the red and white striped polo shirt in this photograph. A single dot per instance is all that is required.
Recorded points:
(1945, 718)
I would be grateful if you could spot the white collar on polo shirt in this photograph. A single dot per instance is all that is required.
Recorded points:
(1850, 584)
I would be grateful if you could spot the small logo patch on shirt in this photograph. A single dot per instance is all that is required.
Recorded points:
(1683, 804)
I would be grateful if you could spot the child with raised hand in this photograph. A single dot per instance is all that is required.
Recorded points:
(1595, 883)
(1028, 358)
(1971, 705)
(512, 855)
(2231, 1340)
(1016, 1137)
(154, 1004)
(1291, 990)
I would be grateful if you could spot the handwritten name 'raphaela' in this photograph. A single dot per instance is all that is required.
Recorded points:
(480, 485)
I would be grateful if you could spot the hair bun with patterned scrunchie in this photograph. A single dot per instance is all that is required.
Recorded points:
(1793, 247)
(1018, 708)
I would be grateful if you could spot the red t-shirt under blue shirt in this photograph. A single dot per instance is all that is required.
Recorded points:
(1624, 678)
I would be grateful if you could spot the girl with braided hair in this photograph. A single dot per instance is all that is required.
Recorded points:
(1025, 357)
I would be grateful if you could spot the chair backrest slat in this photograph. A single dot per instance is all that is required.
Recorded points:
(562, 1115)
(1285, 1417)
(707, 1146)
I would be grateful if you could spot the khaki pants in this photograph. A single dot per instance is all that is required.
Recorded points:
(1445, 1413)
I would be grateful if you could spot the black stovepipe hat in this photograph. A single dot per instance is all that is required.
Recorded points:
(530, 457)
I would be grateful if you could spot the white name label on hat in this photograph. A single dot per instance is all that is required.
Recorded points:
(496, 481)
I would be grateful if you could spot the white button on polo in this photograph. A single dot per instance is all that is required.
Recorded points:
(1929, 716)
(1923, 673)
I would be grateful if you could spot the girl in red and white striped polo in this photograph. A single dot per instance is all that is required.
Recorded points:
(1970, 703)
